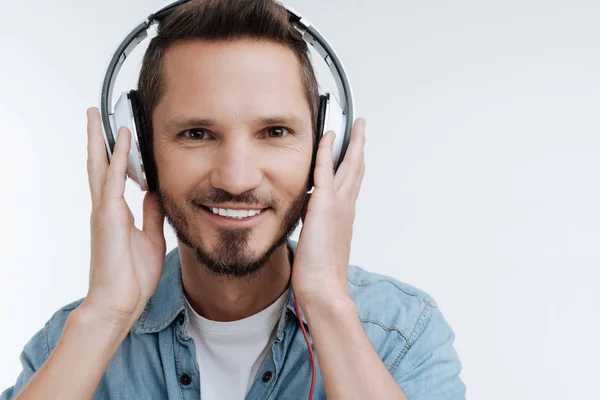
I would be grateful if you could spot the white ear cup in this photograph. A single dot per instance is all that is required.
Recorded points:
(123, 116)
(335, 120)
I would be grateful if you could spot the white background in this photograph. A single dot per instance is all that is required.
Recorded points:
(481, 186)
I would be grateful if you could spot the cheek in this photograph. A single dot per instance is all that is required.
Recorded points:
(287, 170)
(180, 170)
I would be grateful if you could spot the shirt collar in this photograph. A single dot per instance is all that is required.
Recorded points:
(168, 300)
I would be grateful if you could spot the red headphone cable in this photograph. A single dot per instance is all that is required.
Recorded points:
(312, 355)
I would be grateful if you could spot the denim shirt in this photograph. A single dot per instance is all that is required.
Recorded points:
(157, 360)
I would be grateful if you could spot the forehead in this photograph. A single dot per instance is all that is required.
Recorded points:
(241, 78)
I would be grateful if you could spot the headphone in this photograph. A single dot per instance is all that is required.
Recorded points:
(333, 113)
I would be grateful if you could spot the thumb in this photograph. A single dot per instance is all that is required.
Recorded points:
(154, 217)
(324, 163)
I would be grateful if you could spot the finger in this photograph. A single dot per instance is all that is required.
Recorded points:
(355, 190)
(97, 161)
(324, 163)
(114, 187)
(154, 217)
(349, 175)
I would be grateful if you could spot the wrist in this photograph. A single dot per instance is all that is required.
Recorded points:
(325, 295)
(331, 307)
(77, 363)
(112, 326)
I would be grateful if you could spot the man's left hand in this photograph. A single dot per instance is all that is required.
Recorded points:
(320, 270)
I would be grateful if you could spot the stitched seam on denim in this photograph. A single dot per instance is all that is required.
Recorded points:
(392, 283)
(165, 322)
(424, 313)
(277, 370)
(145, 313)
(393, 328)
(398, 357)
(409, 342)
(177, 367)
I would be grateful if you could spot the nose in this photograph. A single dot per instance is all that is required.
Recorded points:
(237, 168)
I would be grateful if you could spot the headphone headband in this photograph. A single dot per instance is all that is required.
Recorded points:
(310, 34)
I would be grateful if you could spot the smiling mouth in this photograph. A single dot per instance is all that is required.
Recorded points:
(233, 213)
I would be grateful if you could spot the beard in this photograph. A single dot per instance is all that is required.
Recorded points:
(231, 258)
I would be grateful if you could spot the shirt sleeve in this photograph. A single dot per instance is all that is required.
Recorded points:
(33, 356)
(430, 368)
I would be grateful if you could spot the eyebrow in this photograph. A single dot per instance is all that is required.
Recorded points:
(181, 122)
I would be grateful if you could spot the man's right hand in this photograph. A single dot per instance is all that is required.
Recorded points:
(126, 263)
(125, 269)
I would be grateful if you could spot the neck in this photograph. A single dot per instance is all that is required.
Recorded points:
(225, 299)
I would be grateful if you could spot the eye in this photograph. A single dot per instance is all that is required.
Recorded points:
(277, 132)
(195, 134)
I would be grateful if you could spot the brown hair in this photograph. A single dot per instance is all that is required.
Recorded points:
(222, 20)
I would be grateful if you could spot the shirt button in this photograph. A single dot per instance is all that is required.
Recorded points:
(185, 379)
(267, 376)
(181, 318)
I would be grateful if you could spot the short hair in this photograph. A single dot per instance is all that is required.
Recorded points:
(222, 20)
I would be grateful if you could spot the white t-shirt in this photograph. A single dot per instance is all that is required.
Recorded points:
(230, 353)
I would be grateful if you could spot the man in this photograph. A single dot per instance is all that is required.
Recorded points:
(230, 97)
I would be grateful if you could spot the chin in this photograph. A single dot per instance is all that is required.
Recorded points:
(235, 252)
(234, 247)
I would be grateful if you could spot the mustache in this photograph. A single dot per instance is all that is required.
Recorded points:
(216, 196)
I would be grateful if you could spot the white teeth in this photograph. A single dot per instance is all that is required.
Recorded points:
(234, 214)
(242, 213)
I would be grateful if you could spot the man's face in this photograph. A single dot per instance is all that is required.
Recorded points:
(232, 132)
